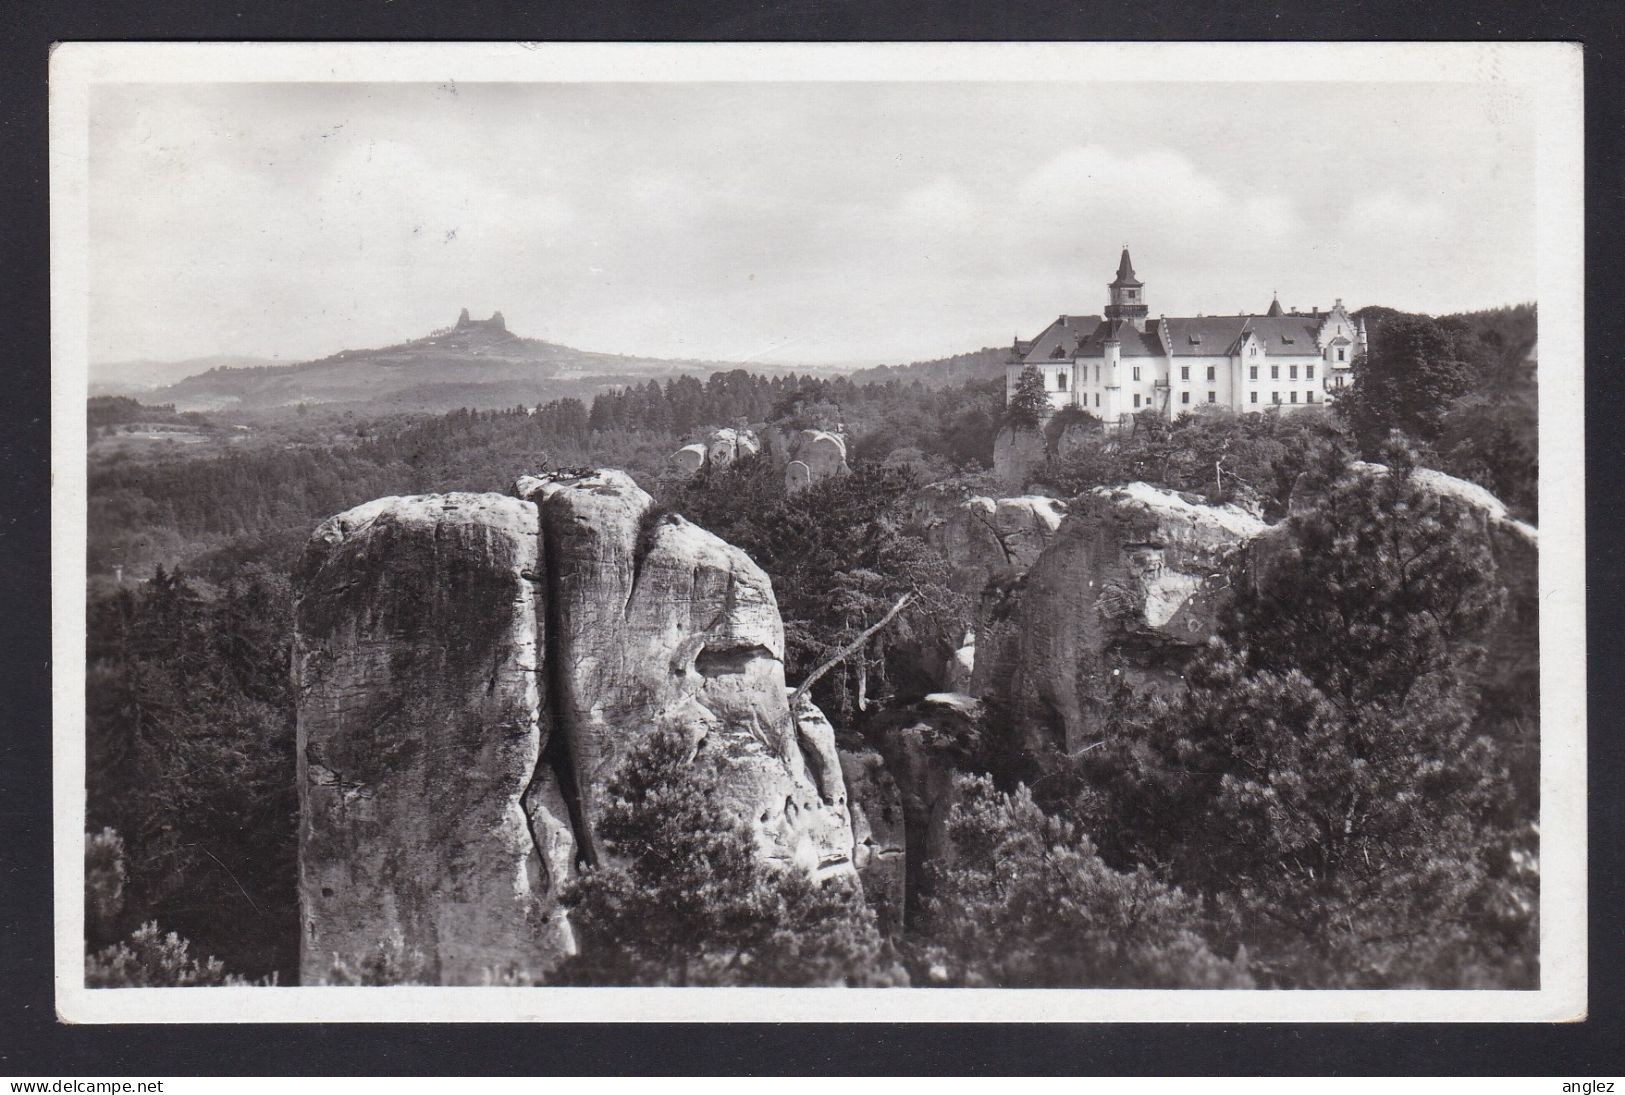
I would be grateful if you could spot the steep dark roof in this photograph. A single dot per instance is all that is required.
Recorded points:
(1289, 334)
(1125, 271)
(1275, 307)
(1041, 350)
(1133, 343)
(1205, 335)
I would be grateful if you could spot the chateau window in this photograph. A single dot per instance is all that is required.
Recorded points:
(1060, 382)
(1136, 376)
(1252, 372)
(1184, 397)
(1340, 353)
(1097, 374)
(1252, 397)
(1210, 377)
(1309, 372)
(1097, 399)
(1292, 397)
(1252, 351)
(1309, 397)
(1184, 372)
(1293, 371)
(1212, 397)
(1275, 397)
(1275, 372)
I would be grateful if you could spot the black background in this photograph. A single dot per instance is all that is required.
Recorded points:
(34, 1044)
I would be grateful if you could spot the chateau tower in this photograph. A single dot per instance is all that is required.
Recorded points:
(1127, 295)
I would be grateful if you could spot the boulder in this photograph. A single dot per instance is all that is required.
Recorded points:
(689, 459)
(824, 454)
(1128, 587)
(961, 668)
(796, 476)
(415, 750)
(819, 454)
(718, 448)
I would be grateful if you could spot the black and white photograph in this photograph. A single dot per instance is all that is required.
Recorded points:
(948, 520)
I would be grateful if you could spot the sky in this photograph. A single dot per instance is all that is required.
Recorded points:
(814, 223)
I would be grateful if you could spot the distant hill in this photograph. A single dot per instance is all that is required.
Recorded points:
(475, 363)
(145, 374)
(986, 363)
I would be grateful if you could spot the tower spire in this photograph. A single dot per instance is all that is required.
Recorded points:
(1127, 302)
(1275, 305)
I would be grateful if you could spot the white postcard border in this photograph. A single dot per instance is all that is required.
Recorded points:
(1552, 71)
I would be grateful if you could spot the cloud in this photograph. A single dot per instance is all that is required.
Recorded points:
(1393, 213)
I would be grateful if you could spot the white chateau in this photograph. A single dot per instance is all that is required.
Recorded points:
(1124, 362)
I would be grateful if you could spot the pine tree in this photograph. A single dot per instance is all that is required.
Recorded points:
(1321, 781)
(1028, 403)
(1025, 902)
(687, 899)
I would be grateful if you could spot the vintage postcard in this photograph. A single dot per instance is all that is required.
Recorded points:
(987, 532)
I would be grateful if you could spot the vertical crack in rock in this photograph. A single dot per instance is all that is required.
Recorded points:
(414, 651)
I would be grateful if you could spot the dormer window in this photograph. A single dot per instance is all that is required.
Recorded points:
(1252, 351)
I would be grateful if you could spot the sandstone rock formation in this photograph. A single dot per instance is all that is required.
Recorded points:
(415, 658)
(689, 459)
(1018, 454)
(824, 453)
(656, 622)
(922, 747)
(718, 448)
(879, 849)
(472, 669)
(1127, 588)
(989, 540)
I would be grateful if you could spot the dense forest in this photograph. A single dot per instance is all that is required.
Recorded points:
(1150, 863)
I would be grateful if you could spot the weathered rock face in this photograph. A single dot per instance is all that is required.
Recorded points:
(961, 666)
(415, 661)
(718, 448)
(1015, 454)
(824, 453)
(808, 455)
(471, 671)
(657, 624)
(1129, 585)
(989, 540)
(880, 841)
(921, 747)
(689, 459)
(1019, 454)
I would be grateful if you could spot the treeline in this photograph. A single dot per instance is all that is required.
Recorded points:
(119, 410)
(189, 760)
(210, 512)
(1462, 388)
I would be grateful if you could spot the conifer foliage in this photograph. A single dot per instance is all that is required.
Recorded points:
(1323, 782)
(686, 897)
